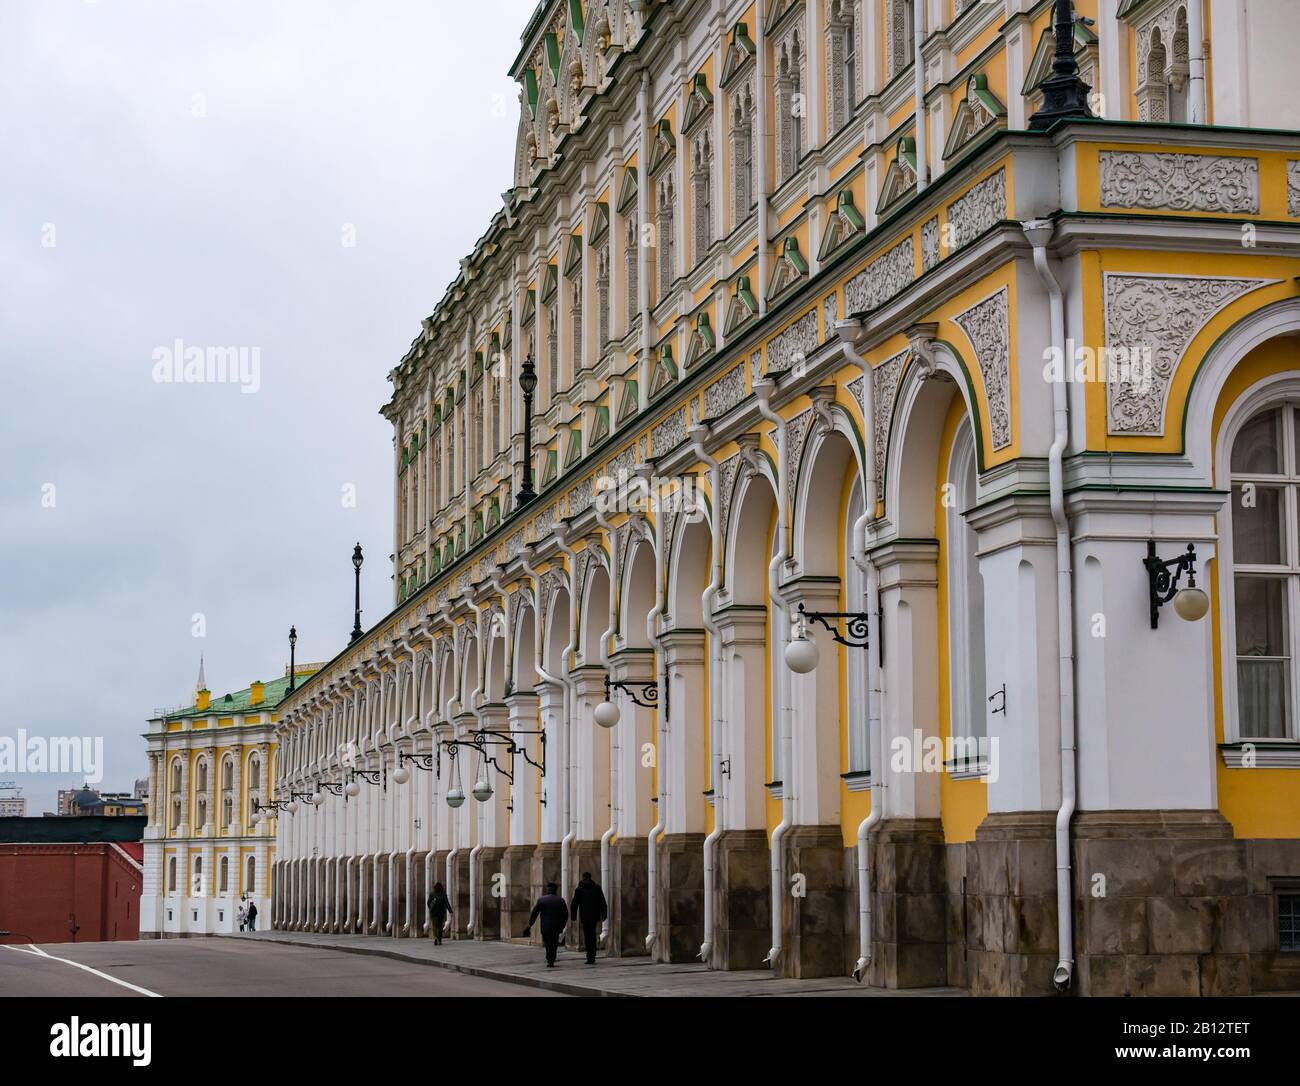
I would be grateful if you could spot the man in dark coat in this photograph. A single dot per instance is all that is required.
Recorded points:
(252, 916)
(589, 909)
(554, 915)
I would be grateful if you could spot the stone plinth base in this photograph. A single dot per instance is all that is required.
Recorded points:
(628, 897)
(742, 900)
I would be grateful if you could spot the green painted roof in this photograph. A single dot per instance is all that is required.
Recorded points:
(238, 702)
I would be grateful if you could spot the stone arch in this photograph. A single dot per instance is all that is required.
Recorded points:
(811, 496)
(637, 593)
(921, 405)
(595, 613)
(524, 670)
(557, 632)
(494, 685)
(688, 572)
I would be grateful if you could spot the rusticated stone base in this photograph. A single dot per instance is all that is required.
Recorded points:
(458, 894)
(628, 897)
(517, 866)
(909, 937)
(487, 924)
(1001, 905)
(583, 856)
(546, 868)
(681, 897)
(742, 900)
(814, 917)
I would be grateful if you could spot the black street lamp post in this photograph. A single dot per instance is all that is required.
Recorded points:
(527, 382)
(293, 644)
(357, 559)
(1065, 94)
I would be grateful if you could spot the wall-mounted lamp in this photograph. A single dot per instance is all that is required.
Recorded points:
(607, 714)
(801, 655)
(1190, 603)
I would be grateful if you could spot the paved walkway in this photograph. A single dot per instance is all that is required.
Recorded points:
(526, 965)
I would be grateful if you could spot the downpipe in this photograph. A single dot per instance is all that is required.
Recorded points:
(918, 73)
(850, 332)
(475, 697)
(391, 733)
(615, 748)
(661, 676)
(763, 390)
(570, 706)
(1039, 233)
(699, 436)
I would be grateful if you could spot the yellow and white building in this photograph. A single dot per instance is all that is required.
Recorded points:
(211, 767)
(807, 266)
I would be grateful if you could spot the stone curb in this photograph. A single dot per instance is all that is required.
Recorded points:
(563, 987)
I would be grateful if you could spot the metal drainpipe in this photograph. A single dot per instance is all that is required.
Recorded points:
(700, 436)
(850, 332)
(430, 859)
(763, 390)
(391, 732)
(1039, 233)
(453, 852)
(763, 122)
(570, 708)
(474, 699)
(407, 726)
(661, 676)
(526, 560)
(643, 254)
(615, 748)
(918, 72)
(1198, 108)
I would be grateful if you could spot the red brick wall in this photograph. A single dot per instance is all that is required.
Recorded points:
(42, 885)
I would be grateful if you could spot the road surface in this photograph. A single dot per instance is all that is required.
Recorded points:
(226, 967)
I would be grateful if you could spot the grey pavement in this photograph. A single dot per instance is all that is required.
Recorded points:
(525, 965)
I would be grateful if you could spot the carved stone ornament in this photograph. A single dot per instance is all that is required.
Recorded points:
(886, 276)
(1150, 322)
(1293, 189)
(884, 393)
(793, 346)
(970, 215)
(1170, 182)
(725, 393)
(987, 328)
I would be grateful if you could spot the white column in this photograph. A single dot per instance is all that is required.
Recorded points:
(522, 707)
(684, 761)
(744, 664)
(636, 730)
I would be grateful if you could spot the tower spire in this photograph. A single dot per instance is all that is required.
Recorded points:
(202, 682)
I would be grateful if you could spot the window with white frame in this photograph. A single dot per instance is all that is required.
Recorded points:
(842, 62)
(602, 292)
(552, 351)
(791, 107)
(171, 875)
(702, 193)
(742, 154)
(575, 314)
(967, 687)
(1265, 548)
(632, 258)
(898, 36)
(664, 239)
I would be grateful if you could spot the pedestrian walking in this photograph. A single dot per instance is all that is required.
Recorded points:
(242, 915)
(252, 916)
(590, 910)
(554, 916)
(439, 910)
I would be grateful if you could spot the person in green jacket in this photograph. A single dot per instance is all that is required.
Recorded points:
(439, 910)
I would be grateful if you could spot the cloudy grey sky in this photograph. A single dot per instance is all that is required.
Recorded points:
(192, 170)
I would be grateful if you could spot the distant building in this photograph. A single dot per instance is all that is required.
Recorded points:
(210, 768)
(72, 879)
(13, 804)
(86, 801)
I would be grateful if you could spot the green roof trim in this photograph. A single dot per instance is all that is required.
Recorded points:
(530, 88)
(240, 701)
(553, 55)
(575, 19)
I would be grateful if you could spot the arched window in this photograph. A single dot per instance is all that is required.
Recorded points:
(702, 194)
(171, 875)
(223, 875)
(602, 293)
(250, 875)
(664, 238)
(967, 697)
(196, 883)
(742, 156)
(1265, 554)
(842, 57)
(632, 254)
(576, 305)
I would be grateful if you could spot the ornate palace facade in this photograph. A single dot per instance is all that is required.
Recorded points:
(824, 321)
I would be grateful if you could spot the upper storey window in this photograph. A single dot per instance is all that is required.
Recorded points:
(791, 103)
(662, 159)
(738, 79)
(1163, 65)
(699, 117)
(842, 80)
(628, 198)
(899, 31)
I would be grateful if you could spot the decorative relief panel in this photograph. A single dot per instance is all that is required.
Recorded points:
(796, 435)
(1167, 182)
(514, 545)
(729, 469)
(669, 434)
(725, 393)
(1293, 189)
(930, 244)
(581, 497)
(884, 393)
(970, 215)
(857, 389)
(828, 317)
(986, 327)
(1150, 322)
(794, 345)
(880, 280)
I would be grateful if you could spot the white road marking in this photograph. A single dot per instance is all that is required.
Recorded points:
(33, 949)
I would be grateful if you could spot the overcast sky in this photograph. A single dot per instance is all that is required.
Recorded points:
(195, 170)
